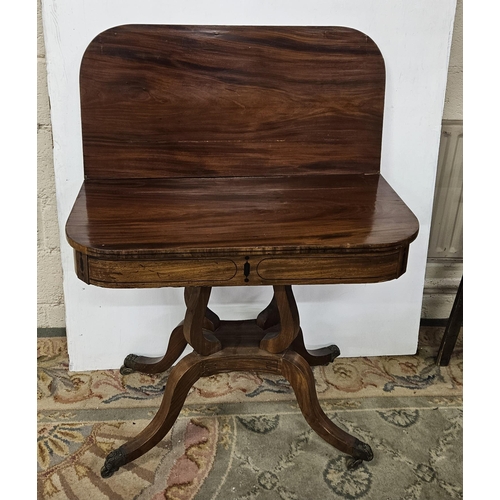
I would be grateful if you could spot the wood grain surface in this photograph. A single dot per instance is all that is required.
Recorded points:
(198, 101)
(235, 155)
(240, 231)
(226, 216)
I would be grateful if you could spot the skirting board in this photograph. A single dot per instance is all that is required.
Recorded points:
(50, 332)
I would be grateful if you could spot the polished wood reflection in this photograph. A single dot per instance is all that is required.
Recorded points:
(211, 101)
(274, 214)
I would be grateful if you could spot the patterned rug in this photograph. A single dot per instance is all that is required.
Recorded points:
(242, 435)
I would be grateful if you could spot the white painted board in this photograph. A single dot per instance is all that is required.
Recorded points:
(104, 325)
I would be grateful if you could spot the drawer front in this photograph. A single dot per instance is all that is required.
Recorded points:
(365, 267)
(339, 268)
(156, 273)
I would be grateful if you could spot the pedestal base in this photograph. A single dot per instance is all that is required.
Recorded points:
(242, 346)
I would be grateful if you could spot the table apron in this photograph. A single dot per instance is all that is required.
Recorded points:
(342, 267)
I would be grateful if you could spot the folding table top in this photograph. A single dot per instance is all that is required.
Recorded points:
(239, 142)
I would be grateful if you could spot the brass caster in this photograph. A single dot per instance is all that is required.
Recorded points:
(353, 463)
(125, 370)
(113, 462)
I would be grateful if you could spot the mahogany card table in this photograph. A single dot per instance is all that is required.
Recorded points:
(235, 156)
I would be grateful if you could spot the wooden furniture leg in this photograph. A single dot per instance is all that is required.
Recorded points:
(144, 364)
(315, 357)
(176, 346)
(455, 322)
(298, 372)
(180, 380)
(240, 352)
(270, 317)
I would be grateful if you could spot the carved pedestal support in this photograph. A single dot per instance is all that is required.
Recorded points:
(199, 338)
(284, 309)
(272, 343)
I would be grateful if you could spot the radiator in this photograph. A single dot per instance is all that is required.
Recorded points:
(446, 238)
(445, 257)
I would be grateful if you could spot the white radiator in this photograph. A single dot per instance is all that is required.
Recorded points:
(446, 238)
(444, 264)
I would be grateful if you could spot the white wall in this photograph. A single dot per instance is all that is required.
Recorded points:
(414, 37)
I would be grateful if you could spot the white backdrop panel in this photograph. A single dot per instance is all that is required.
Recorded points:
(103, 326)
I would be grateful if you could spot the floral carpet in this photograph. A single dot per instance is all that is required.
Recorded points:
(242, 435)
